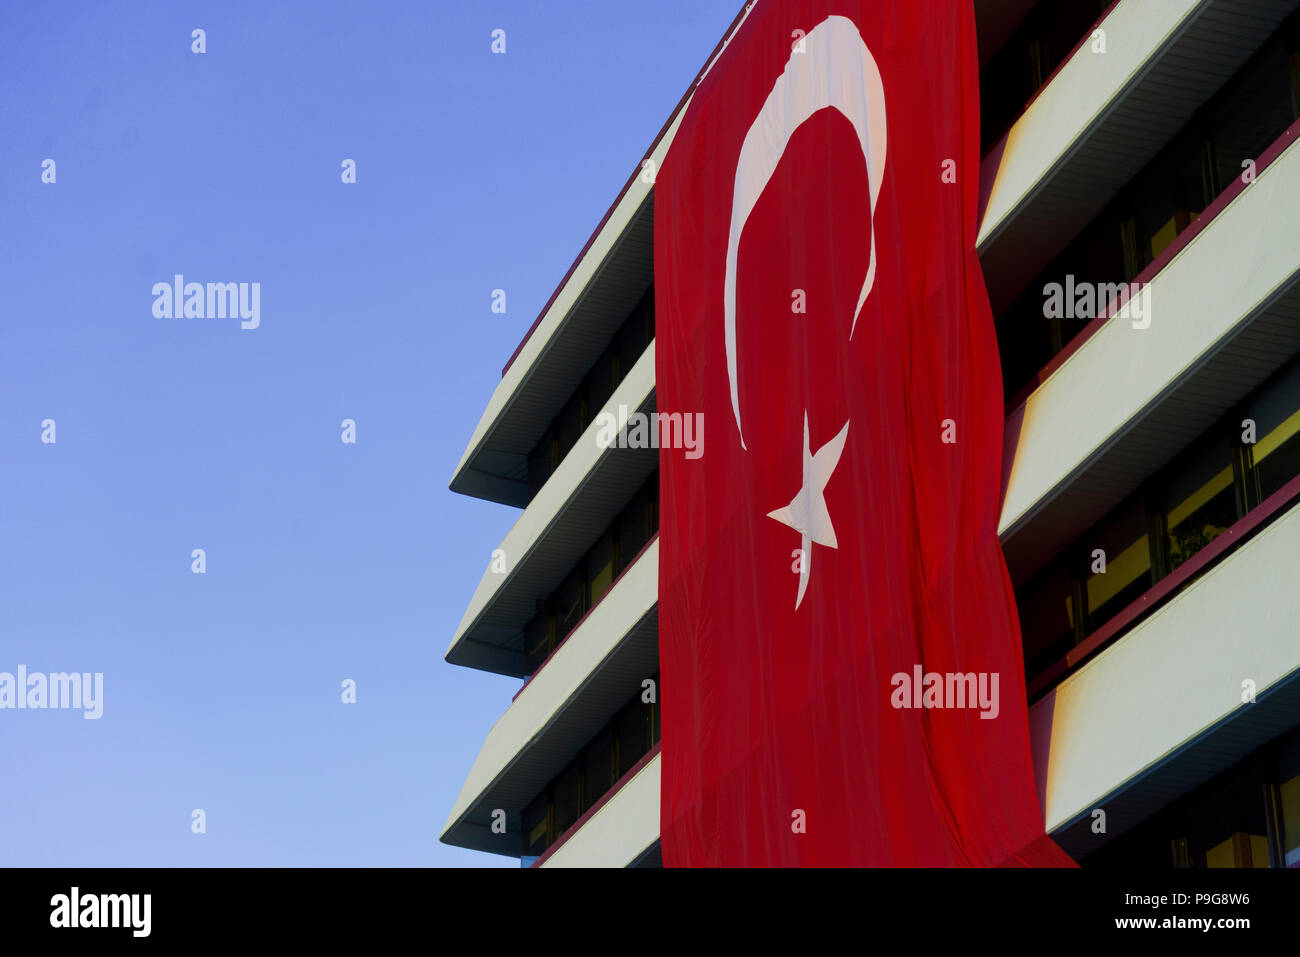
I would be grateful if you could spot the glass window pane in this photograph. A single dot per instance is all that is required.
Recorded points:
(1201, 503)
(568, 798)
(600, 381)
(540, 462)
(539, 640)
(1024, 339)
(1251, 111)
(633, 735)
(1277, 456)
(569, 425)
(652, 507)
(1288, 776)
(632, 529)
(536, 826)
(1064, 25)
(1241, 849)
(1223, 823)
(1277, 428)
(600, 566)
(1046, 619)
(635, 334)
(600, 767)
(1122, 539)
(1172, 196)
(1290, 795)
(568, 605)
(1027, 58)
(1230, 823)
(1095, 259)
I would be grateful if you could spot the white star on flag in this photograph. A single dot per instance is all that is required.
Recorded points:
(807, 512)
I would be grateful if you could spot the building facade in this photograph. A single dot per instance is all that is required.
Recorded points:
(1140, 239)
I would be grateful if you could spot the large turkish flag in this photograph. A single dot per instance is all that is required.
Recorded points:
(819, 301)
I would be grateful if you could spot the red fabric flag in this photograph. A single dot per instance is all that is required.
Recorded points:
(839, 643)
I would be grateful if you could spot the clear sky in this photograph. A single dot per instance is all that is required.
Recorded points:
(325, 561)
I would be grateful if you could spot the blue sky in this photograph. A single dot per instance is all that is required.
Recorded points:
(325, 561)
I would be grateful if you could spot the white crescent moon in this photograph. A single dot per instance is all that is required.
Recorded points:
(834, 70)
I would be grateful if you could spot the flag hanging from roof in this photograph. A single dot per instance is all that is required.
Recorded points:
(839, 643)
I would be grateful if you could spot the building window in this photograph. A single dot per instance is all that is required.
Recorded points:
(637, 728)
(610, 754)
(624, 348)
(538, 825)
(1175, 192)
(1117, 562)
(1048, 618)
(569, 424)
(637, 332)
(600, 767)
(602, 378)
(561, 611)
(1013, 76)
(1288, 801)
(1252, 110)
(569, 605)
(1237, 124)
(1274, 458)
(1229, 826)
(1210, 486)
(1200, 503)
(539, 637)
(600, 565)
(1248, 816)
(568, 797)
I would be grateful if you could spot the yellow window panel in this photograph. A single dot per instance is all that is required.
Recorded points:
(1167, 233)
